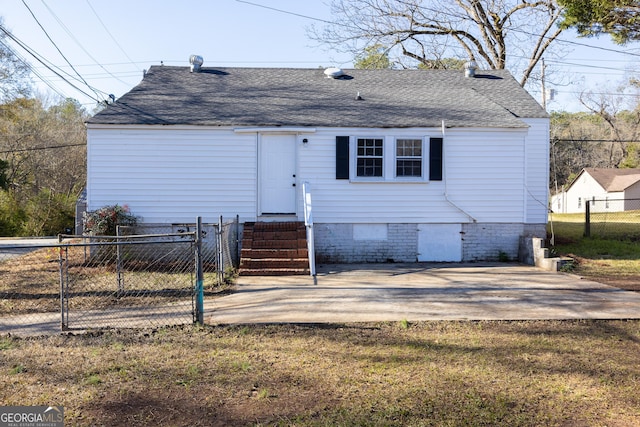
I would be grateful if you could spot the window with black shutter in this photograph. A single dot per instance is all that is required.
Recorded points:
(342, 157)
(435, 159)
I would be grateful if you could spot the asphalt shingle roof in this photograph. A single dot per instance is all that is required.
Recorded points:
(613, 180)
(221, 96)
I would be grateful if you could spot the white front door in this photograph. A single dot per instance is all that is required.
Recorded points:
(440, 242)
(277, 174)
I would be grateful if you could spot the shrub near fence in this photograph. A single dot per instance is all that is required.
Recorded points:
(612, 219)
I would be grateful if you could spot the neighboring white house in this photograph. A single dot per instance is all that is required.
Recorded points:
(403, 165)
(608, 190)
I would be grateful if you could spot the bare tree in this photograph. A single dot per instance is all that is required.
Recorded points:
(14, 72)
(578, 140)
(621, 120)
(497, 34)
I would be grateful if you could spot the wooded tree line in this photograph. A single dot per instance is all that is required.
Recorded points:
(42, 165)
(43, 143)
(42, 153)
(580, 140)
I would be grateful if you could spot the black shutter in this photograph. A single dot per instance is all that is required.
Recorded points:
(435, 159)
(342, 157)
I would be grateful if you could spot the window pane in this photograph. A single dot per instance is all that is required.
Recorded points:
(369, 157)
(409, 168)
(369, 167)
(409, 147)
(409, 157)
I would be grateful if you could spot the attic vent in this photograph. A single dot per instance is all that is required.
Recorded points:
(196, 62)
(470, 68)
(333, 72)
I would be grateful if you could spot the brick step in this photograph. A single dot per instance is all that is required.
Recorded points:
(275, 226)
(274, 249)
(277, 235)
(278, 244)
(274, 272)
(273, 263)
(274, 253)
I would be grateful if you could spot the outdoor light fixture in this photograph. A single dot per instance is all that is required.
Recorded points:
(305, 141)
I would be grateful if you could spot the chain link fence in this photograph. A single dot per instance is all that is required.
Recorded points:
(613, 219)
(143, 277)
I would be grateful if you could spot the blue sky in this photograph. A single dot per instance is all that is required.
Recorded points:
(111, 42)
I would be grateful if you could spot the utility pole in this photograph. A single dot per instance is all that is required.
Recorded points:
(544, 89)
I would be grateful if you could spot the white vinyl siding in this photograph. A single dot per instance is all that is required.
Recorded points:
(537, 171)
(167, 175)
(483, 180)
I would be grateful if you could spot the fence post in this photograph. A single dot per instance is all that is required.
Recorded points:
(587, 218)
(64, 286)
(199, 317)
(119, 263)
(236, 262)
(221, 253)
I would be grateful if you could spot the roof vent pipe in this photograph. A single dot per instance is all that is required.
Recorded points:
(470, 68)
(196, 62)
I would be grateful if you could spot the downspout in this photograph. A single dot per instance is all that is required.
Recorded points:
(444, 173)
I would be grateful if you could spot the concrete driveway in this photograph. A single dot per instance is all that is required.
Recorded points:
(16, 246)
(413, 292)
(373, 293)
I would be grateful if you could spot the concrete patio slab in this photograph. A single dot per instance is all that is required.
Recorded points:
(371, 293)
(414, 292)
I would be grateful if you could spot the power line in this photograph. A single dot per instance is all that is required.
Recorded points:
(111, 35)
(511, 29)
(33, 70)
(583, 65)
(42, 61)
(286, 12)
(22, 150)
(66, 29)
(59, 51)
(594, 140)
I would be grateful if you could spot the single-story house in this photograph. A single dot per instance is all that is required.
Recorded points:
(608, 190)
(402, 165)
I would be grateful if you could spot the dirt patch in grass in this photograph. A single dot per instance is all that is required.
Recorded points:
(394, 374)
(623, 274)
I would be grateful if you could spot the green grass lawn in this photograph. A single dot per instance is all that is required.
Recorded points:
(536, 373)
(612, 257)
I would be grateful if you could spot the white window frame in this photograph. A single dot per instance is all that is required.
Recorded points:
(396, 158)
(357, 177)
(389, 159)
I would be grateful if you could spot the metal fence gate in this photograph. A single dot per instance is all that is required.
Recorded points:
(125, 281)
(134, 281)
